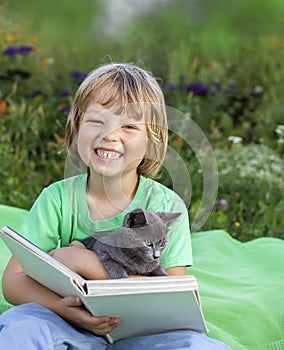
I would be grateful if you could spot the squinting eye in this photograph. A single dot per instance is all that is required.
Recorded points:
(162, 244)
(129, 127)
(96, 121)
(148, 243)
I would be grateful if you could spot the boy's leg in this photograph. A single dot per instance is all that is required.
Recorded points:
(177, 340)
(33, 327)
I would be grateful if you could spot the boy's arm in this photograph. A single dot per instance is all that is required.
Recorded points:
(18, 288)
(86, 262)
(176, 271)
(81, 260)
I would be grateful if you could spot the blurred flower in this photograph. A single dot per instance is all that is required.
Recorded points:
(280, 130)
(65, 93)
(237, 224)
(47, 61)
(63, 108)
(9, 39)
(178, 141)
(11, 51)
(223, 203)
(60, 139)
(197, 88)
(257, 92)
(173, 87)
(3, 107)
(36, 50)
(24, 50)
(233, 86)
(34, 39)
(235, 139)
(78, 75)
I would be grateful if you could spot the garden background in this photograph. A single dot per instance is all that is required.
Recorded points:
(219, 63)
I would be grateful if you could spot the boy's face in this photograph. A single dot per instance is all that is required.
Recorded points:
(110, 144)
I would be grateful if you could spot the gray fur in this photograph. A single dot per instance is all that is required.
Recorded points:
(135, 248)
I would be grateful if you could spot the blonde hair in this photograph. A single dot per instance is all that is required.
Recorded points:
(133, 90)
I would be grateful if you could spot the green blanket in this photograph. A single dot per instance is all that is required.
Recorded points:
(241, 285)
(13, 217)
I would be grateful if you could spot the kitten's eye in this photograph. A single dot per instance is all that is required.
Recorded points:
(148, 243)
(162, 244)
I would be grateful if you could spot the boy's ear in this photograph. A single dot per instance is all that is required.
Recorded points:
(168, 218)
(135, 218)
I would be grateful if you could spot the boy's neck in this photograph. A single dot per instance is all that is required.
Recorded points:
(108, 196)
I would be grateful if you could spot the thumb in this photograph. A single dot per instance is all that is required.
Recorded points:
(72, 300)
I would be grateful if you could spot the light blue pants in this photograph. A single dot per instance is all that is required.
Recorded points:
(33, 327)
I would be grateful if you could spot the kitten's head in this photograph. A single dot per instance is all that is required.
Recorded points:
(148, 230)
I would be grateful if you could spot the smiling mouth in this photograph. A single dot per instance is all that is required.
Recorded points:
(109, 155)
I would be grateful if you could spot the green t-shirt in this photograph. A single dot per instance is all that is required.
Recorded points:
(60, 215)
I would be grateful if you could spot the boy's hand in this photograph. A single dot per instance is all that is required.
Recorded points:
(71, 309)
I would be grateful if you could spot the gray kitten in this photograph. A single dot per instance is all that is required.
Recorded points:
(136, 247)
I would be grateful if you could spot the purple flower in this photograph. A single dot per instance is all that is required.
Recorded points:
(65, 93)
(233, 86)
(223, 203)
(65, 110)
(173, 87)
(24, 50)
(11, 51)
(78, 75)
(197, 88)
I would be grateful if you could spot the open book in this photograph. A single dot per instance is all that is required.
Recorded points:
(145, 304)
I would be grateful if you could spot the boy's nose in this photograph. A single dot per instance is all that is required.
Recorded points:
(112, 135)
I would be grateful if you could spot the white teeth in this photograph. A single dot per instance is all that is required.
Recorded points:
(107, 154)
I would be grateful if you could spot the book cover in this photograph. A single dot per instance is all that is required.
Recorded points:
(145, 305)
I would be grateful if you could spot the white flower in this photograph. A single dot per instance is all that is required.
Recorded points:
(280, 130)
(235, 139)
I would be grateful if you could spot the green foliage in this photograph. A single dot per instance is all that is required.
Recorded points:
(226, 72)
(250, 200)
(29, 151)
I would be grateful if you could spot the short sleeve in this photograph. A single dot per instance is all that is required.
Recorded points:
(178, 251)
(42, 224)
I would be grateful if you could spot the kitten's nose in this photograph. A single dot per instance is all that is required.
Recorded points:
(156, 254)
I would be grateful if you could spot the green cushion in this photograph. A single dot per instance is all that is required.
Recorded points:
(241, 287)
(13, 217)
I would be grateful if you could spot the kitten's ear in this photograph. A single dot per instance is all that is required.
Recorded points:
(135, 218)
(168, 218)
